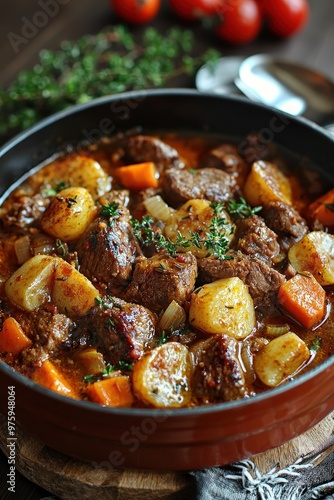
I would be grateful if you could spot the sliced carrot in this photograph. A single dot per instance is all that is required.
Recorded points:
(322, 209)
(138, 176)
(113, 391)
(12, 337)
(49, 376)
(304, 298)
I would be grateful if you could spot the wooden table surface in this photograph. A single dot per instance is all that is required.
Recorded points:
(314, 46)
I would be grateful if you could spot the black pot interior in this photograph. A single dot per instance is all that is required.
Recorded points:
(174, 110)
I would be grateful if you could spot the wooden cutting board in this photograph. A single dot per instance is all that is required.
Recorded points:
(71, 479)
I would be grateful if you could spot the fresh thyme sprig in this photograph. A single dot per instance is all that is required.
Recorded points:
(214, 239)
(112, 61)
(241, 208)
(111, 212)
(94, 377)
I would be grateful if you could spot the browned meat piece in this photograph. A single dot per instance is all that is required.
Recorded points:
(142, 148)
(254, 148)
(107, 251)
(254, 238)
(160, 279)
(25, 211)
(124, 331)
(263, 281)
(120, 196)
(286, 222)
(48, 330)
(179, 186)
(227, 158)
(218, 375)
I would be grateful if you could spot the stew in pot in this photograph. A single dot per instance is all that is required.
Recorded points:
(167, 271)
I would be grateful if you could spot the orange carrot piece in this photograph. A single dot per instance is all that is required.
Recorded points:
(49, 376)
(114, 391)
(304, 298)
(322, 209)
(12, 337)
(138, 176)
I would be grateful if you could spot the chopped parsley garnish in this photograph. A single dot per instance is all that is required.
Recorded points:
(94, 377)
(103, 303)
(61, 248)
(316, 343)
(55, 190)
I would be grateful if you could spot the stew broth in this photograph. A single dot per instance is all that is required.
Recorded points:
(152, 271)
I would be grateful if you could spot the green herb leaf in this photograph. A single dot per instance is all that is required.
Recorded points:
(115, 60)
(241, 208)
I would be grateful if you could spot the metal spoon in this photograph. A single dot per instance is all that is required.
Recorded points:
(289, 87)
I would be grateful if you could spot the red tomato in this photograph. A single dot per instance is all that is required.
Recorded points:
(286, 17)
(136, 11)
(242, 21)
(191, 10)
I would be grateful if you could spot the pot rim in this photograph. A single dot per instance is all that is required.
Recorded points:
(77, 108)
(172, 412)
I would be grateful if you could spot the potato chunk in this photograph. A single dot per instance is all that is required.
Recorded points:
(280, 359)
(88, 173)
(72, 292)
(69, 214)
(31, 285)
(161, 378)
(196, 216)
(224, 306)
(267, 183)
(315, 253)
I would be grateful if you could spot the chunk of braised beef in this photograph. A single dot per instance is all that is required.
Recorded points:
(255, 148)
(49, 331)
(253, 237)
(160, 279)
(124, 331)
(25, 211)
(120, 196)
(107, 251)
(143, 148)
(179, 186)
(287, 223)
(218, 375)
(226, 157)
(262, 280)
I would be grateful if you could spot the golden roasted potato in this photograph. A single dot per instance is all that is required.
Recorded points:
(31, 285)
(69, 214)
(195, 216)
(88, 173)
(280, 359)
(161, 378)
(315, 253)
(266, 183)
(224, 306)
(72, 292)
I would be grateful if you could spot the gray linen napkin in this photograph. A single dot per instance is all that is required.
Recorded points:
(306, 479)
